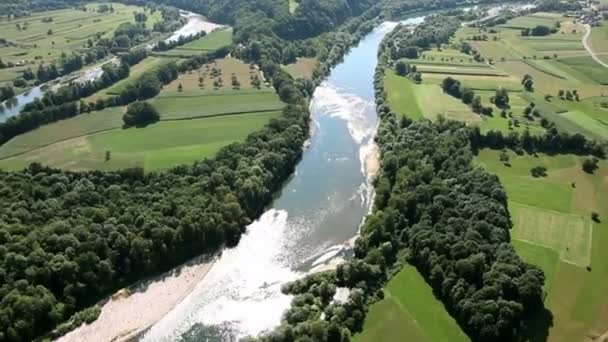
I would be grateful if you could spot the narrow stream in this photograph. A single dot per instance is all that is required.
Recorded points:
(310, 225)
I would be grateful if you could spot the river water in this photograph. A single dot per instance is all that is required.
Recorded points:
(311, 224)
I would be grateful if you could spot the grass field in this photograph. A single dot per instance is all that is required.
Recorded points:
(210, 42)
(599, 41)
(401, 96)
(303, 67)
(70, 30)
(409, 312)
(182, 105)
(589, 67)
(422, 100)
(552, 215)
(155, 147)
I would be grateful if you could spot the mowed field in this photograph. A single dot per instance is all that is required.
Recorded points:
(409, 312)
(210, 42)
(148, 64)
(195, 123)
(553, 230)
(418, 101)
(70, 28)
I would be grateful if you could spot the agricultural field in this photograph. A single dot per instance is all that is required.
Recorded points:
(599, 41)
(420, 100)
(197, 119)
(558, 63)
(553, 229)
(409, 312)
(159, 146)
(215, 40)
(44, 36)
(217, 76)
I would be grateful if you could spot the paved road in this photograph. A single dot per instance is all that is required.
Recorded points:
(588, 48)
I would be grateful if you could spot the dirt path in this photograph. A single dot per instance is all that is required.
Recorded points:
(588, 48)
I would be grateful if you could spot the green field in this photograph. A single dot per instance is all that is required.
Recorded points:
(148, 64)
(553, 230)
(421, 100)
(174, 105)
(401, 97)
(589, 67)
(155, 147)
(217, 39)
(409, 312)
(70, 29)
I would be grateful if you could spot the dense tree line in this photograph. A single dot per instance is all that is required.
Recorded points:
(551, 142)
(6, 92)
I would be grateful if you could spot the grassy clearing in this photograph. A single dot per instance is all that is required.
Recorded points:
(577, 296)
(568, 234)
(155, 147)
(459, 70)
(148, 64)
(303, 67)
(409, 312)
(215, 40)
(434, 102)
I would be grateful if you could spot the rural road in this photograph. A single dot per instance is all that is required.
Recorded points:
(588, 48)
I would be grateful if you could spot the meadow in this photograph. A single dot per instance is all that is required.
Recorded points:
(409, 312)
(213, 41)
(155, 147)
(69, 31)
(553, 229)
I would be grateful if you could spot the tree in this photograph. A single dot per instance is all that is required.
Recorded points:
(539, 171)
(180, 88)
(140, 113)
(476, 105)
(560, 93)
(49, 32)
(108, 156)
(140, 17)
(595, 216)
(402, 68)
(590, 165)
(501, 98)
(569, 96)
(528, 82)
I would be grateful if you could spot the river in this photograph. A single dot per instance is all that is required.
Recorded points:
(311, 224)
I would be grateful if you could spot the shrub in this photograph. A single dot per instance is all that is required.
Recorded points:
(539, 171)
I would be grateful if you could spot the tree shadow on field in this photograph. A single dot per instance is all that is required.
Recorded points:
(538, 325)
